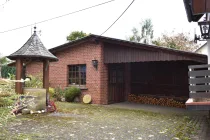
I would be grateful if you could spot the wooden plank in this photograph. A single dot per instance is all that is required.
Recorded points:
(199, 80)
(199, 73)
(208, 6)
(199, 88)
(200, 95)
(198, 7)
(198, 66)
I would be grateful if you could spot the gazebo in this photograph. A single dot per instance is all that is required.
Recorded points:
(32, 50)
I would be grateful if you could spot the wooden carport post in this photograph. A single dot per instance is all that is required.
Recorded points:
(19, 68)
(46, 78)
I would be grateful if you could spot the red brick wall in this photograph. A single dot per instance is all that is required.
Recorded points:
(96, 80)
(34, 68)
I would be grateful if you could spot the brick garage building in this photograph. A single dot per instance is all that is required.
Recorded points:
(123, 68)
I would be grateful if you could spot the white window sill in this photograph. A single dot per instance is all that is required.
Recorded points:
(82, 87)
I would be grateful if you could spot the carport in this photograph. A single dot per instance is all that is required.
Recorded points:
(141, 69)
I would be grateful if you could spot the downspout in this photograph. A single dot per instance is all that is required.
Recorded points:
(208, 44)
(208, 40)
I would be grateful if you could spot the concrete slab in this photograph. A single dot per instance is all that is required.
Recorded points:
(157, 109)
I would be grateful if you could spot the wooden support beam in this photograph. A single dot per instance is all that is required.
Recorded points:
(46, 77)
(19, 68)
(127, 80)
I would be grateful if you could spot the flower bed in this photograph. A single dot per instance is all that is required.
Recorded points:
(163, 101)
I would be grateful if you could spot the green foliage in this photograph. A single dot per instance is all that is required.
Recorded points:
(51, 91)
(7, 71)
(59, 93)
(179, 41)
(7, 99)
(11, 76)
(35, 82)
(146, 33)
(4, 101)
(71, 93)
(3, 60)
(76, 35)
(7, 89)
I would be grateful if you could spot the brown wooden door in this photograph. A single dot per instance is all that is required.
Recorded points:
(116, 83)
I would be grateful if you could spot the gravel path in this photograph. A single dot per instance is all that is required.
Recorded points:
(101, 123)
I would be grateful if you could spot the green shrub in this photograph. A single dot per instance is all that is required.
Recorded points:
(51, 91)
(71, 93)
(5, 70)
(59, 93)
(8, 89)
(35, 82)
(6, 102)
(11, 76)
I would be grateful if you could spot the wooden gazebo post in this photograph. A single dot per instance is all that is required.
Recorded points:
(46, 76)
(19, 68)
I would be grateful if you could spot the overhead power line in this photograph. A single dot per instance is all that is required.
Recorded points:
(117, 18)
(2, 5)
(58, 16)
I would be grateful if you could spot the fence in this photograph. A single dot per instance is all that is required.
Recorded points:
(199, 80)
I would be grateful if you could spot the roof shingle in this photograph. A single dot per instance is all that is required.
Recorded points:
(33, 48)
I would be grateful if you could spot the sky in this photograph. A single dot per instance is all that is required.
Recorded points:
(166, 16)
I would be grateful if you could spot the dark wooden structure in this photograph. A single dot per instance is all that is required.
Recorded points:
(32, 50)
(116, 83)
(160, 78)
(195, 9)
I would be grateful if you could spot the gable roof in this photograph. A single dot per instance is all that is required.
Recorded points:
(126, 43)
(34, 49)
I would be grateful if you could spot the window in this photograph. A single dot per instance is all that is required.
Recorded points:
(77, 74)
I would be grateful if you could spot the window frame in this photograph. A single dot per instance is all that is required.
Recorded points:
(74, 72)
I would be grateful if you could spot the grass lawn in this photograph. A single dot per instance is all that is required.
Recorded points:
(79, 121)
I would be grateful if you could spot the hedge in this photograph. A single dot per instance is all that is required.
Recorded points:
(5, 70)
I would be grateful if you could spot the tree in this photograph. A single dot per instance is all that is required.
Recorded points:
(76, 35)
(3, 60)
(179, 41)
(146, 33)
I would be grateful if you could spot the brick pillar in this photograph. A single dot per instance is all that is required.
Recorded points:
(127, 80)
(46, 77)
(19, 68)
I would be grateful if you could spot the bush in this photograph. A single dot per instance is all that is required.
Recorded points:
(51, 92)
(5, 70)
(6, 102)
(35, 82)
(59, 93)
(8, 89)
(71, 93)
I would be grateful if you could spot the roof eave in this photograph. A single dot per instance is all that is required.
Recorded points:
(38, 57)
(190, 16)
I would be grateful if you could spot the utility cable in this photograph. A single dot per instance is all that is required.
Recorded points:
(58, 16)
(118, 18)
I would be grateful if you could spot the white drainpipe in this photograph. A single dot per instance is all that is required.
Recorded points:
(208, 40)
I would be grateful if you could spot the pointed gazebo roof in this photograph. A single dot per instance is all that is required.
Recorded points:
(33, 49)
